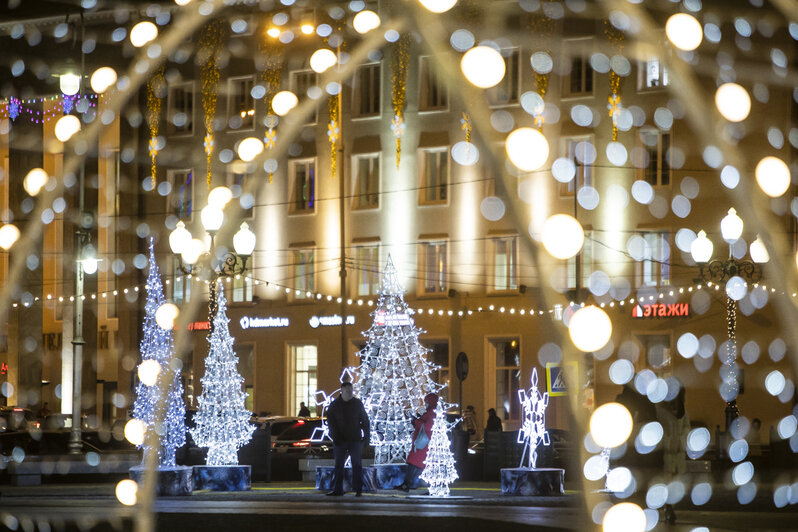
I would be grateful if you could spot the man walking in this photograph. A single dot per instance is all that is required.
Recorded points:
(349, 428)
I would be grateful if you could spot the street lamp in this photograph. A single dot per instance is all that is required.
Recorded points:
(734, 273)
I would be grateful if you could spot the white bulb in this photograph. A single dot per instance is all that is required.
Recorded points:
(179, 238)
(126, 491)
(192, 251)
(283, 102)
(610, 425)
(66, 127)
(165, 316)
(220, 196)
(773, 176)
(69, 84)
(89, 265)
(148, 372)
(9, 234)
(142, 33)
(438, 6)
(322, 59)
(527, 148)
(34, 181)
(244, 240)
(483, 66)
(182, 2)
(102, 79)
(212, 218)
(134, 431)
(590, 328)
(624, 517)
(731, 227)
(249, 148)
(733, 102)
(684, 31)
(701, 248)
(365, 21)
(562, 236)
(759, 253)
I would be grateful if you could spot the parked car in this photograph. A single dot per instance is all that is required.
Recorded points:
(278, 424)
(17, 419)
(297, 438)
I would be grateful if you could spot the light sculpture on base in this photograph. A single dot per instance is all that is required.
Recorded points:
(439, 469)
(222, 421)
(394, 374)
(533, 428)
(156, 345)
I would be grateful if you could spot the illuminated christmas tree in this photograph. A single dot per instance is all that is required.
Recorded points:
(439, 471)
(157, 345)
(222, 420)
(394, 374)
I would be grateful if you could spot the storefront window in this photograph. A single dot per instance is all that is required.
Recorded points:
(303, 388)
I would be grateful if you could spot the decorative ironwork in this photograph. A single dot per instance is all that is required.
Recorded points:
(229, 265)
(720, 271)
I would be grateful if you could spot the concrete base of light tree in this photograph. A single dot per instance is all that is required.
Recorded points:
(324, 479)
(223, 477)
(170, 481)
(390, 476)
(540, 482)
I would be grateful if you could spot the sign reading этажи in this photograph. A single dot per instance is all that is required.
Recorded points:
(661, 310)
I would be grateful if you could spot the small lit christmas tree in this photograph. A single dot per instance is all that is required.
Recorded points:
(222, 420)
(157, 344)
(439, 471)
(394, 374)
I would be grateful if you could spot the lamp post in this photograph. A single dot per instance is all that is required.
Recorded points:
(733, 272)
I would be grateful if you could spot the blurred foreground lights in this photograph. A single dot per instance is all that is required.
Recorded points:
(165, 316)
(438, 6)
(322, 59)
(697, 442)
(9, 234)
(775, 382)
(249, 148)
(610, 425)
(483, 66)
(69, 84)
(34, 181)
(212, 218)
(619, 479)
(283, 102)
(307, 29)
(66, 127)
(562, 236)
(142, 33)
(134, 431)
(772, 176)
(182, 2)
(590, 329)
(759, 253)
(126, 492)
(148, 372)
(624, 517)
(684, 31)
(220, 196)
(102, 79)
(273, 32)
(733, 102)
(365, 21)
(192, 250)
(89, 265)
(527, 148)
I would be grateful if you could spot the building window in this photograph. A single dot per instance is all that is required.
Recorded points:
(585, 260)
(242, 284)
(654, 267)
(439, 355)
(303, 187)
(181, 284)
(303, 362)
(506, 92)
(578, 150)
(656, 168)
(301, 82)
(367, 262)
(246, 368)
(579, 81)
(304, 272)
(434, 269)
(240, 103)
(505, 263)
(181, 199)
(507, 357)
(367, 91)
(367, 181)
(652, 74)
(434, 175)
(238, 183)
(180, 109)
(433, 95)
(657, 349)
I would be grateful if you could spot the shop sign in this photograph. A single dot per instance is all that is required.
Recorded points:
(661, 310)
(254, 322)
(390, 320)
(199, 326)
(330, 321)
(558, 376)
(3, 368)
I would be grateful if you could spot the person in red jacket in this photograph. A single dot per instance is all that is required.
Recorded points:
(421, 435)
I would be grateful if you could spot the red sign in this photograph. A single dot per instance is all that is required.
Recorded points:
(199, 326)
(3, 368)
(661, 310)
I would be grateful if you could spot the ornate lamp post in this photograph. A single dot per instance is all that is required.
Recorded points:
(737, 272)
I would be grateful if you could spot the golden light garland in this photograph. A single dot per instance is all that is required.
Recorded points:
(615, 37)
(154, 86)
(400, 59)
(210, 43)
(541, 27)
(333, 133)
(466, 126)
(272, 76)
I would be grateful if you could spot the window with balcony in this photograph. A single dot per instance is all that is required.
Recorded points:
(652, 74)
(367, 91)
(304, 272)
(181, 198)
(656, 169)
(433, 96)
(180, 109)
(579, 82)
(579, 150)
(439, 355)
(301, 82)
(366, 169)
(240, 103)
(367, 264)
(242, 284)
(505, 263)
(434, 267)
(507, 369)
(181, 284)
(585, 262)
(434, 171)
(238, 183)
(655, 267)
(507, 91)
(302, 192)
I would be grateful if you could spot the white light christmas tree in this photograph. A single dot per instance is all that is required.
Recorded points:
(222, 420)
(533, 429)
(156, 344)
(439, 471)
(394, 374)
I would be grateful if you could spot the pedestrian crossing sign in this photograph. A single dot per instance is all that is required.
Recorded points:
(558, 376)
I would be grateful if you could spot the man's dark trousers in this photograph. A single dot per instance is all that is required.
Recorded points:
(353, 449)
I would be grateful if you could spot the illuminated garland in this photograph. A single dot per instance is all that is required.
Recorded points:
(541, 26)
(333, 133)
(154, 118)
(210, 43)
(466, 126)
(615, 37)
(14, 107)
(400, 59)
(272, 75)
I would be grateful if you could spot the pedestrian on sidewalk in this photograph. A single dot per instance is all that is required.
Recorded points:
(494, 423)
(422, 432)
(349, 427)
(304, 411)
